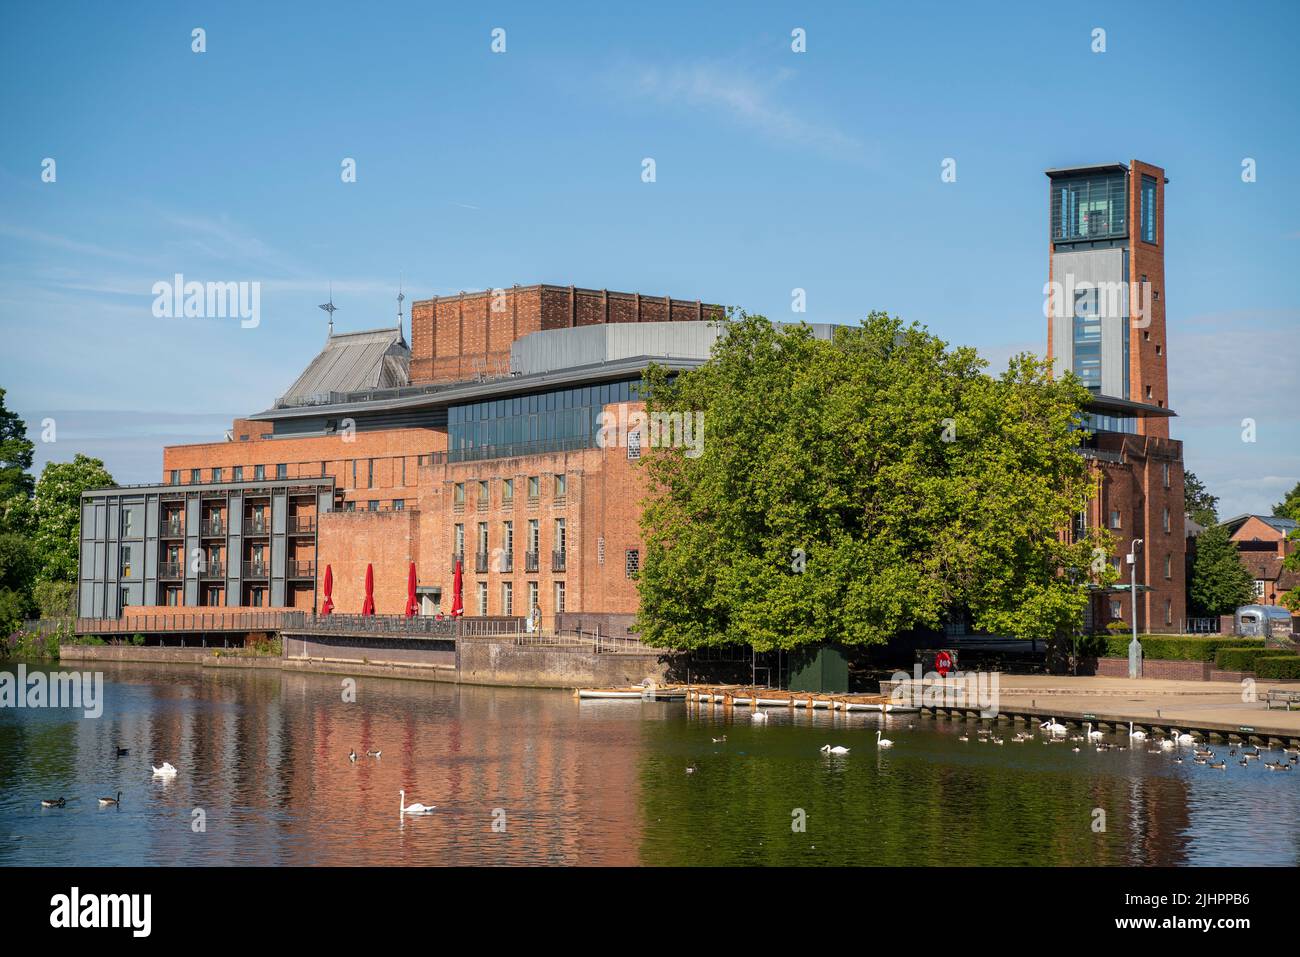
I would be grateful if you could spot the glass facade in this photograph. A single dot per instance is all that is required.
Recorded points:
(552, 421)
(1087, 339)
(1148, 209)
(1089, 207)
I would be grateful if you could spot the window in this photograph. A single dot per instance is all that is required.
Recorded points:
(507, 598)
(195, 476)
(1169, 612)
(561, 486)
(507, 491)
(127, 559)
(176, 477)
(349, 506)
(1159, 349)
(282, 471)
(559, 597)
(508, 537)
(1165, 518)
(633, 446)
(237, 473)
(1116, 609)
(372, 505)
(1089, 207)
(482, 599)
(1148, 392)
(173, 596)
(259, 473)
(458, 493)
(459, 539)
(370, 473)
(534, 535)
(1148, 209)
(1169, 566)
(632, 562)
(534, 487)
(482, 538)
(255, 597)
(532, 596)
(561, 537)
(127, 522)
(1114, 518)
(483, 492)
(216, 475)
(399, 504)
(1260, 585)
(1165, 471)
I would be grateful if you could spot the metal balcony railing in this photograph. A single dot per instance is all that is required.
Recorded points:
(302, 569)
(256, 570)
(169, 569)
(213, 528)
(302, 524)
(213, 570)
(172, 528)
(256, 524)
(507, 562)
(530, 562)
(558, 560)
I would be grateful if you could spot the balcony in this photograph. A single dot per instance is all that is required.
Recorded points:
(169, 569)
(171, 528)
(213, 570)
(302, 525)
(256, 569)
(302, 569)
(213, 528)
(457, 557)
(558, 560)
(256, 523)
(531, 563)
(481, 563)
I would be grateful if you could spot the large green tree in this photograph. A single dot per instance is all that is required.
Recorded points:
(1289, 507)
(1220, 582)
(57, 509)
(16, 452)
(1198, 502)
(852, 489)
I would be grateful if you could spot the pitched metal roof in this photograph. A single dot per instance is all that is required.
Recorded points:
(1284, 525)
(352, 362)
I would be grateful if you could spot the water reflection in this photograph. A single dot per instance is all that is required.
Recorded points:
(263, 767)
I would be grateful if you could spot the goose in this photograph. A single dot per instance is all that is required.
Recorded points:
(1251, 755)
(1292, 750)
(1178, 760)
(883, 742)
(414, 808)
(1244, 763)
(1093, 735)
(721, 740)
(109, 802)
(1050, 725)
(1136, 735)
(1183, 738)
(123, 752)
(54, 802)
(1075, 750)
(1219, 765)
(373, 754)
(166, 771)
(352, 755)
(1203, 752)
(838, 749)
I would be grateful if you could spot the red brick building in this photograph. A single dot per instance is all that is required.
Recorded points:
(1263, 543)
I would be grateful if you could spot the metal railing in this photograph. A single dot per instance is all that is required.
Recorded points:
(169, 569)
(481, 563)
(302, 524)
(257, 570)
(531, 563)
(212, 570)
(301, 569)
(507, 562)
(457, 557)
(255, 523)
(213, 528)
(558, 560)
(231, 620)
(417, 626)
(171, 529)
(1201, 626)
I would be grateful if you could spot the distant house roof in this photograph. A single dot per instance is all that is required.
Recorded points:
(353, 362)
(1283, 525)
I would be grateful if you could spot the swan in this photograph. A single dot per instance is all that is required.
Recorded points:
(759, 715)
(1166, 744)
(414, 808)
(54, 802)
(883, 742)
(352, 755)
(1136, 735)
(1051, 726)
(166, 771)
(838, 749)
(1183, 738)
(109, 802)
(1093, 735)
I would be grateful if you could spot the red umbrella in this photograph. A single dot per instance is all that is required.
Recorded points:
(328, 607)
(457, 606)
(410, 592)
(368, 608)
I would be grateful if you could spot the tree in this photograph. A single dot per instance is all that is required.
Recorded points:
(57, 509)
(1220, 582)
(16, 452)
(1289, 507)
(849, 490)
(1198, 502)
(16, 569)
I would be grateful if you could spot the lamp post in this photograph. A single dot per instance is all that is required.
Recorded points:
(1135, 646)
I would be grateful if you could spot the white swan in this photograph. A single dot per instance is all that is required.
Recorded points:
(414, 808)
(1183, 738)
(1051, 726)
(1166, 744)
(883, 742)
(1136, 735)
(166, 771)
(758, 715)
(827, 749)
(1093, 735)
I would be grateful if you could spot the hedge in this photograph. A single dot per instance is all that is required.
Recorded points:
(1278, 666)
(1245, 659)
(1178, 647)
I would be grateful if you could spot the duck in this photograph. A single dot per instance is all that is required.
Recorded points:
(123, 752)
(373, 753)
(416, 808)
(883, 742)
(721, 740)
(352, 755)
(166, 771)
(1136, 735)
(838, 749)
(54, 802)
(110, 802)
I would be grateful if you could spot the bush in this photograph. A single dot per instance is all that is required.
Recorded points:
(1244, 659)
(137, 639)
(1278, 666)
(1179, 647)
(30, 644)
(55, 599)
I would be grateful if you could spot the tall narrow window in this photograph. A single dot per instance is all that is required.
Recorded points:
(1149, 209)
(482, 599)
(507, 598)
(559, 597)
(259, 473)
(282, 471)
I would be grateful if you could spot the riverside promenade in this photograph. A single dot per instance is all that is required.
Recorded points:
(1215, 708)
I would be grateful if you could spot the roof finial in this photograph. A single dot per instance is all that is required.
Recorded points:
(330, 308)
(400, 297)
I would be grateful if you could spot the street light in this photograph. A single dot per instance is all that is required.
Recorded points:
(1134, 647)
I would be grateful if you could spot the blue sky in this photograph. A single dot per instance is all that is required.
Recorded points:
(774, 170)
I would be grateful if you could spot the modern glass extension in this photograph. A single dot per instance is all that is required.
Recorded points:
(554, 421)
(1089, 208)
